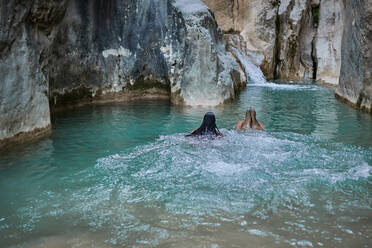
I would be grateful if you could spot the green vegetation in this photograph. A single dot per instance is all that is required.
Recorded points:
(315, 13)
(143, 83)
(275, 3)
(74, 96)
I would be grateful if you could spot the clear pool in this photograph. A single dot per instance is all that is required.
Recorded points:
(124, 175)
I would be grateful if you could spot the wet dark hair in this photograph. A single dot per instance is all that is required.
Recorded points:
(208, 126)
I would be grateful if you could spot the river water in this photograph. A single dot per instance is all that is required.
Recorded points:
(124, 175)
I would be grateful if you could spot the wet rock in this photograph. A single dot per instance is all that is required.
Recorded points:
(248, 60)
(356, 77)
(24, 103)
(328, 40)
(206, 59)
(106, 46)
(297, 39)
(253, 20)
(60, 53)
(295, 33)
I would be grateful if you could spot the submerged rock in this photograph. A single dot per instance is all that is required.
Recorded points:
(60, 53)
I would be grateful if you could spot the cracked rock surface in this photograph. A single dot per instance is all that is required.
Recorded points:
(324, 40)
(60, 53)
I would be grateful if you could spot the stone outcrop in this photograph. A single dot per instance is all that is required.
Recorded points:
(297, 39)
(324, 40)
(295, 29)
(254, 20)
(104, 47)
(356, 75)
(24, 103)
(60, 53)
(247, 60)
(331, 18)
(210, 73)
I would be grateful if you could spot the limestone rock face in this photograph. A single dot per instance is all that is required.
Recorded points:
(325, 40)
(24, 104)
(356, 75)
(295, 35)
(248, 60)
(254, 20)
(105, 47)
(206, 59)
(56, 53)
(328, 41)
(297, 39)
(110, 46)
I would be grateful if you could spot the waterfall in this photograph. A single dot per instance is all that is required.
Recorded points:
(253, 72)
(249, 61)
(237, 47)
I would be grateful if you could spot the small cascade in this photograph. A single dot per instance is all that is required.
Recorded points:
(252, 71)
(248, 60)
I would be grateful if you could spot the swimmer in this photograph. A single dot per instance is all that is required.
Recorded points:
(208, 127)
(250, 121)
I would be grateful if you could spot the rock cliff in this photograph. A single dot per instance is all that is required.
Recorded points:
(24, 103)
(324, 40)
(297, 39)
(356, 75)
(59, 53)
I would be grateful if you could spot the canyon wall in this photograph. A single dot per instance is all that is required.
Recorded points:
(325, 40)
(59, 53)
(356, 69)
(24, 103)
(106, 47)
(296, 39)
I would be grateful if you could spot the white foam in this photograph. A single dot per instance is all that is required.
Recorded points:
(190, 6)
(284, 86)
(252, 71)
(256, 78)
(257, 232)
(362, 171)
(305, 243)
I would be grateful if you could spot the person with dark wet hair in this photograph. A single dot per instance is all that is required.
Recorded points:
(250, 121)
(208, 126)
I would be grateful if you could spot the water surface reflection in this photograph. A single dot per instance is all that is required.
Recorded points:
(123, 174)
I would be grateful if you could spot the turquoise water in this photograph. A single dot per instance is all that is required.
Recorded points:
(124, 175)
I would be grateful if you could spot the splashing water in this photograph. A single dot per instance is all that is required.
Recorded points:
(252, 71)
(124, 175)
(237, 47)
(250, 60)
(256, 78)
